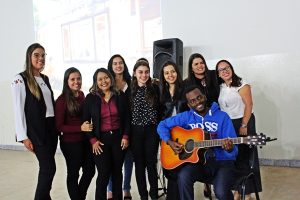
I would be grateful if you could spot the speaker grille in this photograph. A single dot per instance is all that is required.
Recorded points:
(164, 50)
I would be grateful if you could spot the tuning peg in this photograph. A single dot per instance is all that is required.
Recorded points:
(270, 139)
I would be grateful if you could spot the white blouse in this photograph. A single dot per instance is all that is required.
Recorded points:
(230, 100)
(125, 87)
(19, 96)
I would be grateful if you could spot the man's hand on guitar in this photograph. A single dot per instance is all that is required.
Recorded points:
(227, 145)
(177, 148)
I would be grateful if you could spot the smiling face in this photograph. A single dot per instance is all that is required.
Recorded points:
(170, 74)
(118, 65)
(198, 66)
(38, 58)
(224, 71)
(197, 101)
(74, 82)
(103, 82)
(142, 74)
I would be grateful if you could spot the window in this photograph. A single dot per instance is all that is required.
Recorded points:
(86, 33)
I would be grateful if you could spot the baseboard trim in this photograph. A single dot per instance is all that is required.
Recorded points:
(13, 147)
(262, 161)
(279, 162)
(20, 148)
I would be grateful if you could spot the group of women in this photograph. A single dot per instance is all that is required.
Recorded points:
(115, 124)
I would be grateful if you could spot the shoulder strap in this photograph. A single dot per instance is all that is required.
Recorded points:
(23, 76)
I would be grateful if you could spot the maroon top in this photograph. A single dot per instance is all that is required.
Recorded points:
(110, 119)
(68, 126)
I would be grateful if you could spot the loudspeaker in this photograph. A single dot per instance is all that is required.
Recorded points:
(167, 49)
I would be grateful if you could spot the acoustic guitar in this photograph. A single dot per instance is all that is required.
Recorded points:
(194, 140)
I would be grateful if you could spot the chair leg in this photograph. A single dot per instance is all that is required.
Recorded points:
(162, 181)
(243, 195)
(207, 192)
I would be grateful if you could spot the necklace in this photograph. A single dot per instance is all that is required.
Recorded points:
(107, 96)
(203, 82)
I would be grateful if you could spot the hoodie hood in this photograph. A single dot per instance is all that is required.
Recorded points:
(213, 109)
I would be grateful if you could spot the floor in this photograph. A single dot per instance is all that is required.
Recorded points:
(18, 172)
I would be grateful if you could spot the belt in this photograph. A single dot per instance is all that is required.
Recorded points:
(111, 131)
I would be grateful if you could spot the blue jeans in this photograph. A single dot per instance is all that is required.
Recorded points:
(219, 173)
(127, 166)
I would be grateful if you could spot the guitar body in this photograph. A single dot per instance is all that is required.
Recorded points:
(195, 142)
(169, 160)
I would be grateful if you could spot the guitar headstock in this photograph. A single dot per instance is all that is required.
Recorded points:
(257, 140)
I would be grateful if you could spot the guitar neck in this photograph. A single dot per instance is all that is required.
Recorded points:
(217, 142)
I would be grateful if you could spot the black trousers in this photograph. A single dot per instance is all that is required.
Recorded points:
(144, 146)
(172, 187)
(109, 163)
(247, 157)
(45, 155)
(78, 155)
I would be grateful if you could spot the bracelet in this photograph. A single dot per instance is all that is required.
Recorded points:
(243, 125)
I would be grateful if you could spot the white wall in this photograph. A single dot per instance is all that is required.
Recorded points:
(261, 40)
(17, 33)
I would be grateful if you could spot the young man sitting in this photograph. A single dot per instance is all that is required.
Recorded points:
(219, 167)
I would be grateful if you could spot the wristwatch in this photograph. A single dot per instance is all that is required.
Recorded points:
(243, 125)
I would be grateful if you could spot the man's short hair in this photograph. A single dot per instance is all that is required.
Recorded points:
(192, 87)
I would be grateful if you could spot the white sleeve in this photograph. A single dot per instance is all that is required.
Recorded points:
(19, 95)
(243, 84)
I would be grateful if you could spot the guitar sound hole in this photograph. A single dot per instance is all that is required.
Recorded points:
(189, 146)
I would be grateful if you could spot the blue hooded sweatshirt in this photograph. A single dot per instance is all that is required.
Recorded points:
(215, 122)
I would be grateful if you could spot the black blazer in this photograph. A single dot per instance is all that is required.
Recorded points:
(167, 107)
(92, 111)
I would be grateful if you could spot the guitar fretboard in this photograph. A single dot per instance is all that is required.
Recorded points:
(217, 142)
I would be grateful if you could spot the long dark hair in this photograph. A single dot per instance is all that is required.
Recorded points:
(236, 80)
(73, 107)
(95, 89)
(150, 92)
(28, 73)
(164, 85)
(191, 76)
(126, 75)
